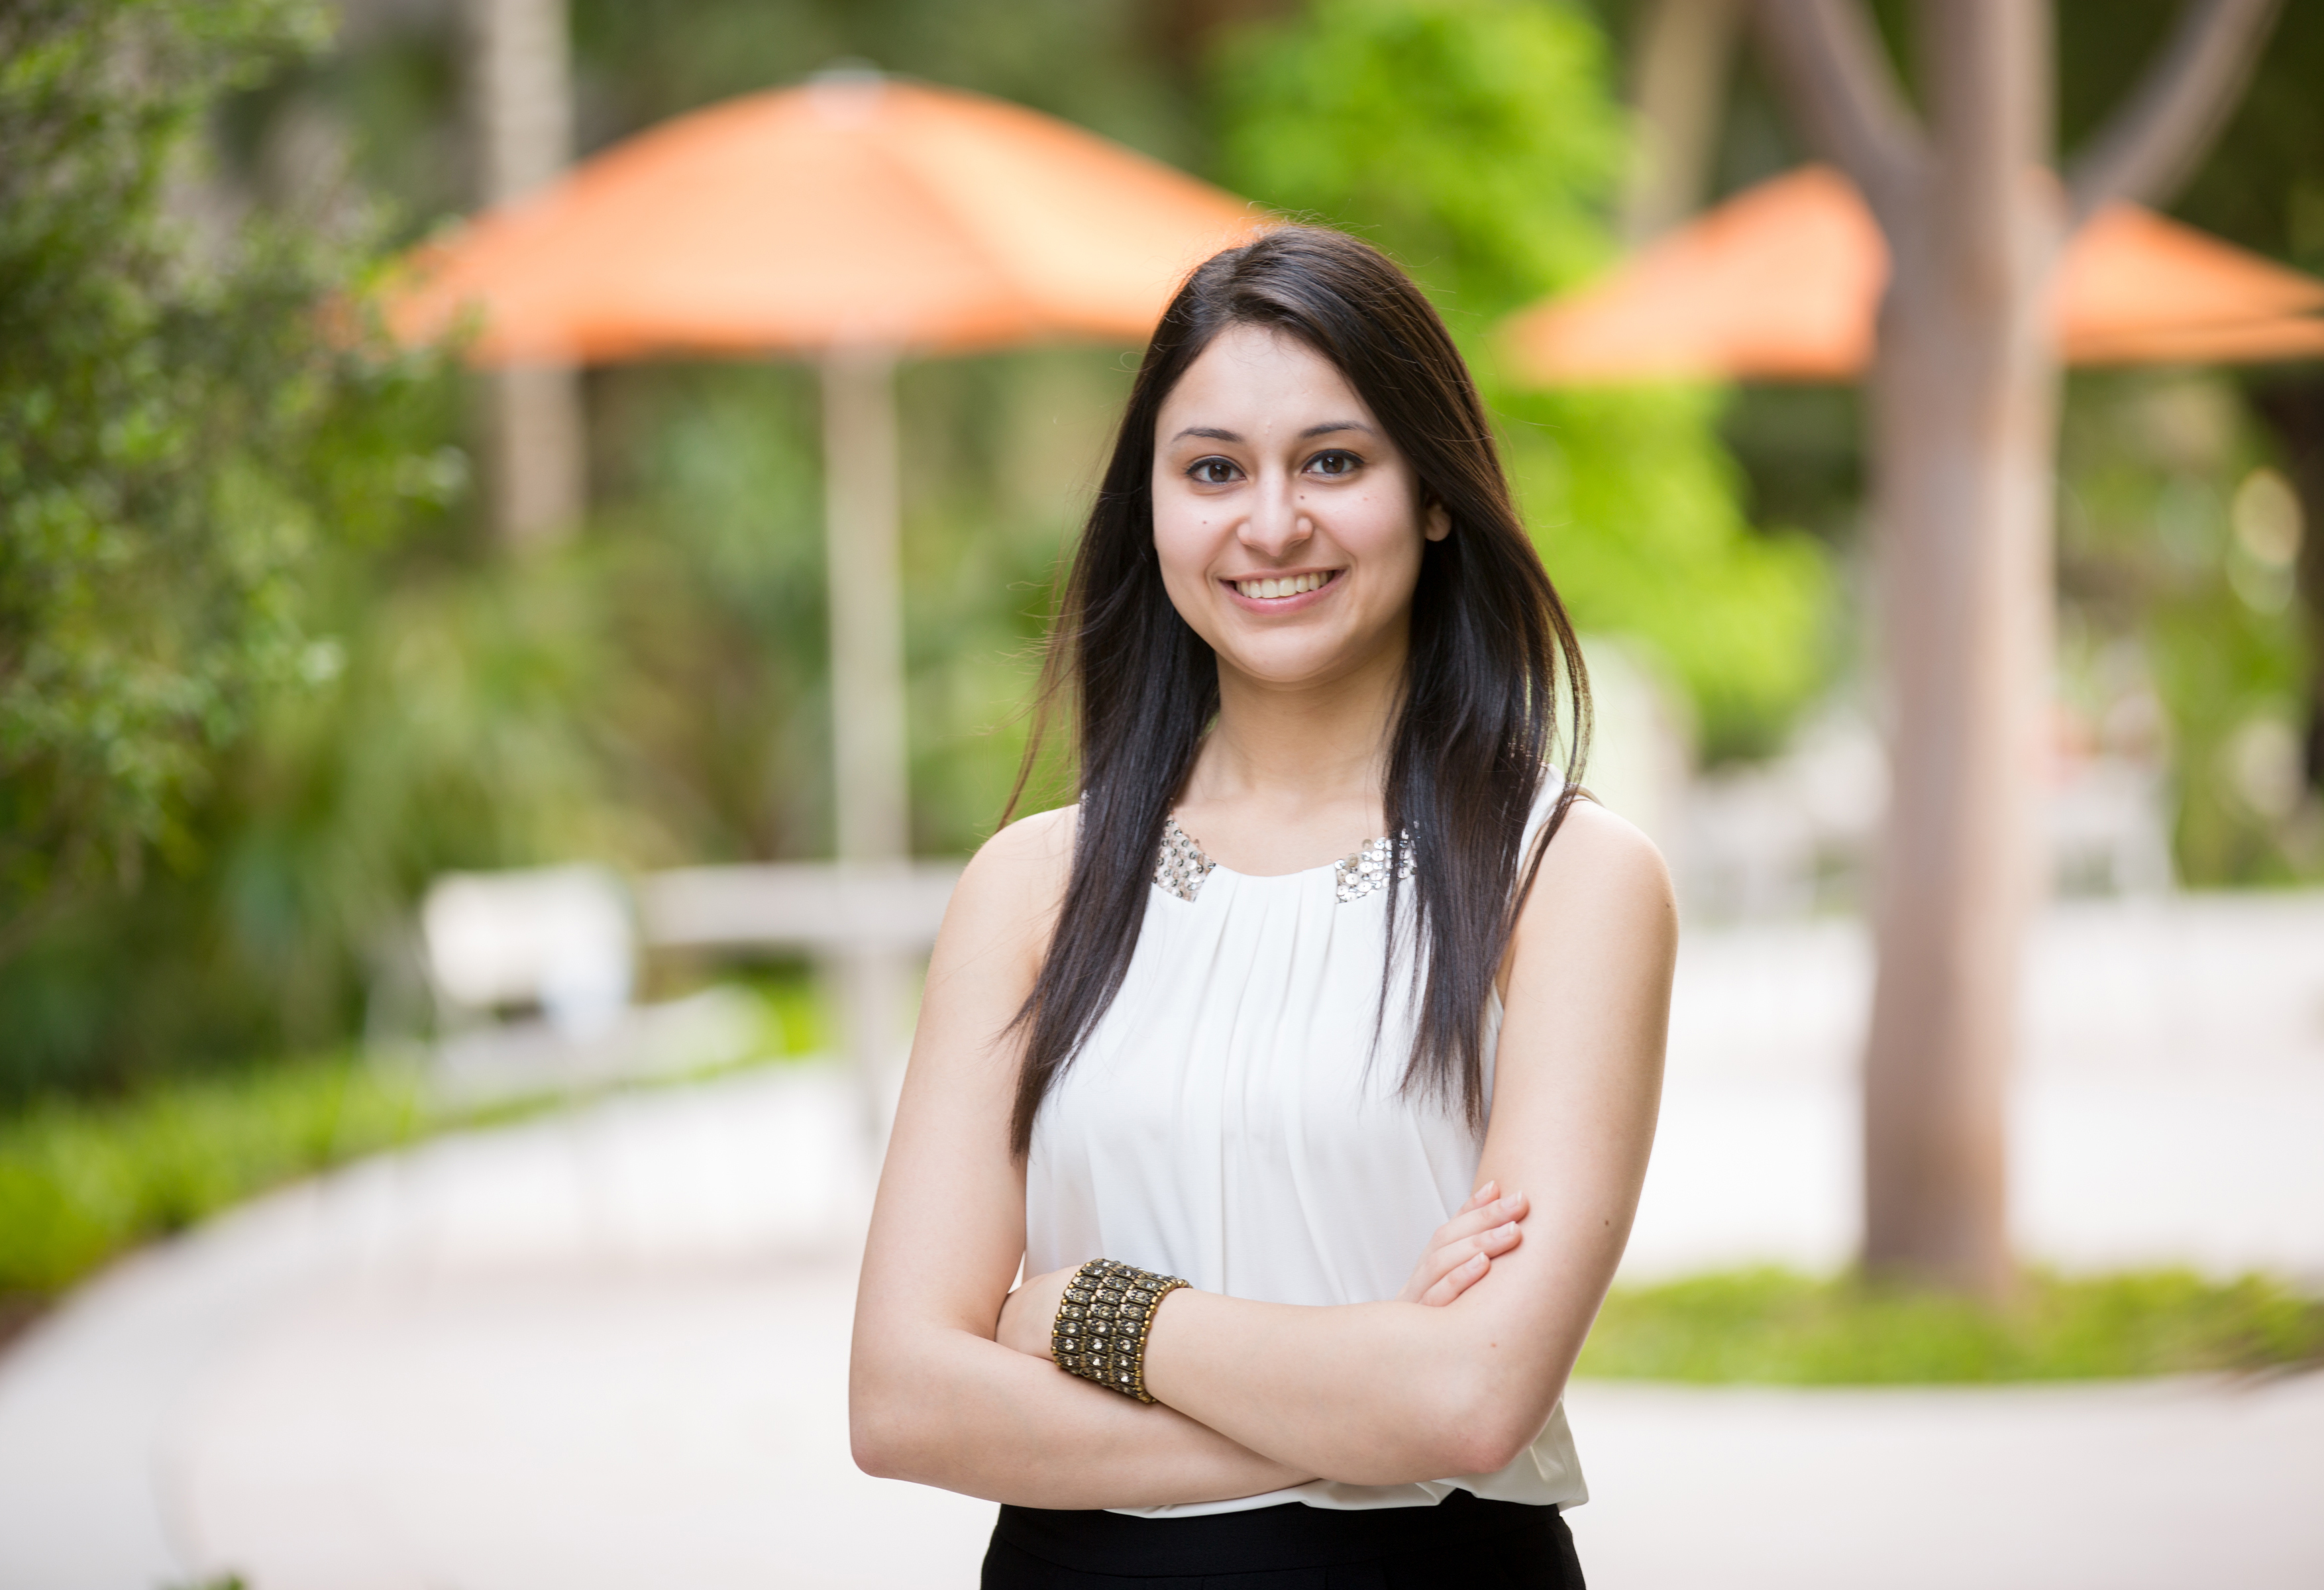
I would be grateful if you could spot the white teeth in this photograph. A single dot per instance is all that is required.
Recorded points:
(1297, 584)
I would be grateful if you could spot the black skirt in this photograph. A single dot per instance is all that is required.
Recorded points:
(1463, 1540)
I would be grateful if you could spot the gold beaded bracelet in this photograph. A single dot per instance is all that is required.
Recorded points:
(1100, 1332)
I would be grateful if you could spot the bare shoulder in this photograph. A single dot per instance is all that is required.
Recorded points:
(1596, 841)
(1593, 955)
(1045, 836)
(1034, 853)
(1018, 877)
(1600, 873)
(997, 928)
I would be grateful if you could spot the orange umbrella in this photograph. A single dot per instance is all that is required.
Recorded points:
(1784, 282)
(854, 211)
(852, 219)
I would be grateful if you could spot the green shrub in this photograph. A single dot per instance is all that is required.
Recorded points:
(1774, 1327)
(180, 442)
(82, 1181)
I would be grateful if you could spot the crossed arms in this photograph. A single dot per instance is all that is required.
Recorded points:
(950, 1383)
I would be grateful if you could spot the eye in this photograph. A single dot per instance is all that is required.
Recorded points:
(1333, 463)
(1212, 471)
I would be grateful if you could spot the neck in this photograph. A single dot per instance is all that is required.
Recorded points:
(1306, 745)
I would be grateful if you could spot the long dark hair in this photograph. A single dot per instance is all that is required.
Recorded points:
(1491, 651)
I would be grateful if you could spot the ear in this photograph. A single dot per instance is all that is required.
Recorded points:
(1437, 524)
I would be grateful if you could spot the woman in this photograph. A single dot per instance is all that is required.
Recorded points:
(1300, 1003)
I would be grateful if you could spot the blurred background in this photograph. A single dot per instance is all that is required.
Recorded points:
(431, 771)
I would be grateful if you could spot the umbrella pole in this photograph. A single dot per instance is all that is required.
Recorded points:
(869, 787)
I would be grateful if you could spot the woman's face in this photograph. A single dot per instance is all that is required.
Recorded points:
(1288, 526)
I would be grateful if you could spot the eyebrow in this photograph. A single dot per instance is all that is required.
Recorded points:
(1327, 428)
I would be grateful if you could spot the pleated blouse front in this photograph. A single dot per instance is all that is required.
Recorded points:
(1232, 1120)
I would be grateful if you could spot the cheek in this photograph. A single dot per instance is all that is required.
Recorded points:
(1382, 529)
(1182, 550)
(1185, 540)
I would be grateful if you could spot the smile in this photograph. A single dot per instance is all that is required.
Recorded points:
(1289, 585)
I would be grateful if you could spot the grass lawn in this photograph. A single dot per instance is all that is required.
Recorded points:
(1774, 1327)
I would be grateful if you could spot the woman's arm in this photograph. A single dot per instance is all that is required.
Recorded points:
(1266, 1395)
(1388, 1392)
(931, 1396)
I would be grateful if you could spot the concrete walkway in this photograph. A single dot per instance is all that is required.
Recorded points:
(610, 1349)
(2169, 1108)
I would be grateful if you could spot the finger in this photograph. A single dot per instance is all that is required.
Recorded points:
(1500, 1239)
(1492, 1244)
(1455, 1281)
(1438, 1262)
(1465, 1262)
(1469, 1222)
(1441, 1261)
(1487, 1191)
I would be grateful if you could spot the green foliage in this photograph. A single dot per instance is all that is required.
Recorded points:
(1095, 62)
(81, 1182)
(177, 440)
(2156, 585)
(1634, 507)
(598, 701)
(84, 1181)
(2232, 678)
(1475, 139)
(1478, 142)
(1774, 1327)
(1010, 450)
(649, 695)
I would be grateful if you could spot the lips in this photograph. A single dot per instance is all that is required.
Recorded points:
(1277, 588)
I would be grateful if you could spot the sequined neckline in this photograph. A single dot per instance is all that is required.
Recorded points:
(1355, 876)
(1181, 866)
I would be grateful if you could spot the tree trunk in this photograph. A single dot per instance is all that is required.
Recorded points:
(520, 79)
(1680, 59)
(1963, 409)
(1964, 399)
(1964, 417)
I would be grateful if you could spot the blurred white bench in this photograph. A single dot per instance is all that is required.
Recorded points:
(533, 971)
(557, 938)
(819, 906)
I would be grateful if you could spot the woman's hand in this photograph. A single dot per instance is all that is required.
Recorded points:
(1465, 1246)
(1459, 1255)
(1026, 1313)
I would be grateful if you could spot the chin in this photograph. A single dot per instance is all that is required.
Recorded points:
(1289, 666)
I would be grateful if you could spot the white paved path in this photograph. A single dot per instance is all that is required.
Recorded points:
(610, 1350)
(2169, 1109)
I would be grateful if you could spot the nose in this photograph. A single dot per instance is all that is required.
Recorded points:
(1276, 524)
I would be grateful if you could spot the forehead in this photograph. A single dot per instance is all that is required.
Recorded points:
(1257, 373)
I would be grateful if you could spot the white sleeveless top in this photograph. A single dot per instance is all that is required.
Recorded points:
(1229, 1121)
